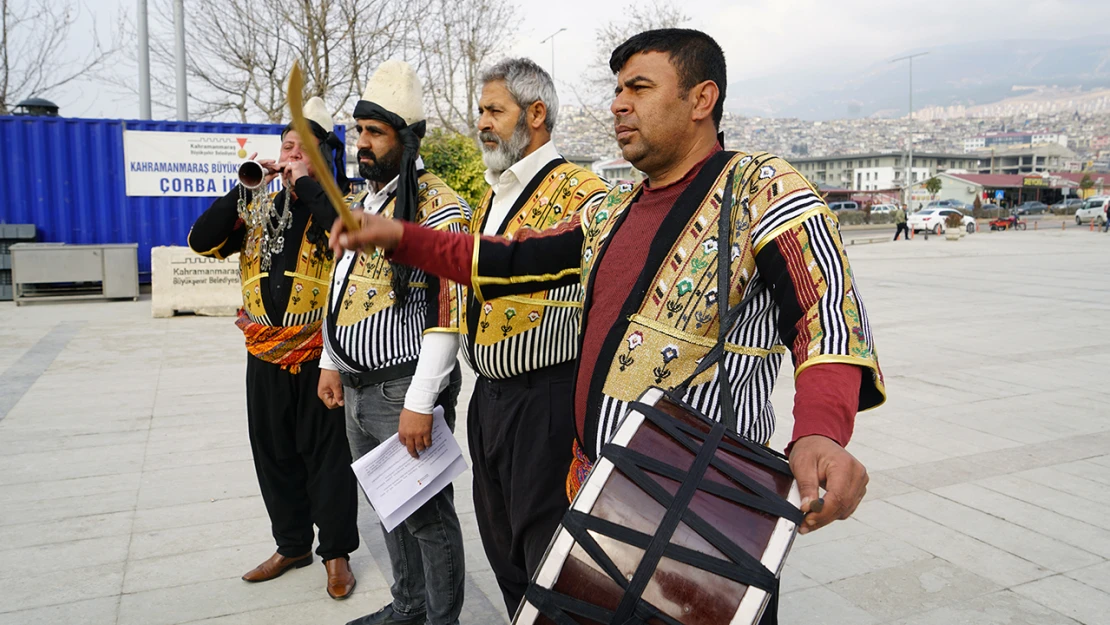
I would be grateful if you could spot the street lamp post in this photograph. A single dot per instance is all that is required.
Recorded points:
(144, 61)
(909, 158)
(551, 38)
(179, 48)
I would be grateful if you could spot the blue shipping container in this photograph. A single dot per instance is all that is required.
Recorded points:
(66, 176)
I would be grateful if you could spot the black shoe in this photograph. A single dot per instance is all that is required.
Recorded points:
(386, 616)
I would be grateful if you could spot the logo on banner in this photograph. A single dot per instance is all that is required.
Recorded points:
(242, 141)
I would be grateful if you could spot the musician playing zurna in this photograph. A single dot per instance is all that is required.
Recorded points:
(647, 261)
(299, 445)
(392, 341)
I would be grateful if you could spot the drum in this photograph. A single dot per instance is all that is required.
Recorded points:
(679, 522)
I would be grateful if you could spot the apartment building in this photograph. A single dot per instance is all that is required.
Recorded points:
(879, 170)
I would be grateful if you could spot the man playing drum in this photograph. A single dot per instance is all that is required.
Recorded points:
(647, 256)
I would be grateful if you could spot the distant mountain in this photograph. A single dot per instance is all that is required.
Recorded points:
(960, 74)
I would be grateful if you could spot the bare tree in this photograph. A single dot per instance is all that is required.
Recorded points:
(239, 52)
(596, 91)
(454, 40)
(33, 38)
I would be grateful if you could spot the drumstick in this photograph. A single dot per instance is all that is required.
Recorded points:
(816, 506)
(300, 124)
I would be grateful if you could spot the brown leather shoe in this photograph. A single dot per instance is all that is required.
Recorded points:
(341, 581)
(275, 566)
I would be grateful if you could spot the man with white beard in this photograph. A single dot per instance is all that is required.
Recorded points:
(523, 347)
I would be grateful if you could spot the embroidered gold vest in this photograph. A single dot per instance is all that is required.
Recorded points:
(364, 331)
(510, 335)
(309, 281)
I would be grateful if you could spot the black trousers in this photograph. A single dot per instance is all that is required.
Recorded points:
(902, 228)
(302, 460)
(521, 433)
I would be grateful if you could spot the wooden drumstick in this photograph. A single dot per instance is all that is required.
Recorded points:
(816, 505)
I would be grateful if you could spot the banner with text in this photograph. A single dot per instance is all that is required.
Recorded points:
(195, 164)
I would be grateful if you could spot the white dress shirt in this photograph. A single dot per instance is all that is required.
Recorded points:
(438, 350)
(508, 186)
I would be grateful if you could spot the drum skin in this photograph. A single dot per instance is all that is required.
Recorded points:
(689, 595)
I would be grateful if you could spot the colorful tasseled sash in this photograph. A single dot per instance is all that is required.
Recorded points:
(287, 346)
(579, 469)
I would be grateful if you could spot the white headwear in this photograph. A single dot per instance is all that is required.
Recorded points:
(317, 111)
(396, 88)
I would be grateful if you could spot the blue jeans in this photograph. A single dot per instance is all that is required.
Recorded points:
(426, 551)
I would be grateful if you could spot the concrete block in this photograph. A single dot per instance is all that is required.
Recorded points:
(182, 281)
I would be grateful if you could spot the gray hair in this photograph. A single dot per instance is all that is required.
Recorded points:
(528, 83)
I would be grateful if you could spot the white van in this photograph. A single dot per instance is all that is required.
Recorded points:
(1094, 209)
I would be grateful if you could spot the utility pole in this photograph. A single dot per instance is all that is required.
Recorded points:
(551, 38)
(144, 62)
(179, 40)
(909, 159)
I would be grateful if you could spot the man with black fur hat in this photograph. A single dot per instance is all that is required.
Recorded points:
(299, 444)
(391, 335)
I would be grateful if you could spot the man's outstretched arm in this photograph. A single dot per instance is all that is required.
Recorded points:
(491, 266)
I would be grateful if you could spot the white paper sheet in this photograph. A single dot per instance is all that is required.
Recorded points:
(397, 484)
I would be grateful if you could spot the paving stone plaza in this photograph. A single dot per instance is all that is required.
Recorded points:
(128, 495)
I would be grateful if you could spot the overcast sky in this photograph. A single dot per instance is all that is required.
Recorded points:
(759, 37)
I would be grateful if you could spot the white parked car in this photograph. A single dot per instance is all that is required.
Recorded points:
(1094, 209)
(879, 209)
(932, 219)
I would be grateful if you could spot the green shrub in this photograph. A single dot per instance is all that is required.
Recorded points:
(457, 161)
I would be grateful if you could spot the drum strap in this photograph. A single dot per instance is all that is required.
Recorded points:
(728, 316)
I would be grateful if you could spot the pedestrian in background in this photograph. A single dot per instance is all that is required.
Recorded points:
(900, 220)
